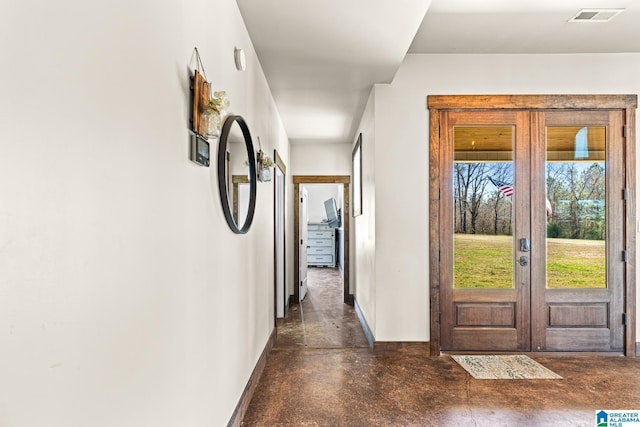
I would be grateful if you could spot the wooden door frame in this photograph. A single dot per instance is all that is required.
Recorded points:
(279, 164)
(345, 180)
(437, 103)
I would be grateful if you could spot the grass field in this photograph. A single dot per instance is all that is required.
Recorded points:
(487, 262)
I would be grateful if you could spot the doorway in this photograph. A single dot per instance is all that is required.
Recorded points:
(532, 227)
(279, 215)
(298, 182)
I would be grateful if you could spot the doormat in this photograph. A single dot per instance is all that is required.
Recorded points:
(517, 367)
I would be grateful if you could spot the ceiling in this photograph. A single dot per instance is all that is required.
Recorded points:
(495, 143)
(322, 57)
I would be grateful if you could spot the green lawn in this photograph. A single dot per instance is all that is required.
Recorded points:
(487, 262)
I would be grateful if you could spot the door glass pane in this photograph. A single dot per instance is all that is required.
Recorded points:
(483, 215)
(576, 207)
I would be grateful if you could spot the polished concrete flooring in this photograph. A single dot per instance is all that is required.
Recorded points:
(322, 320)
(321, 373)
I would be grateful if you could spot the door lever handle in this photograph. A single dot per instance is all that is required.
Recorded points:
(524, 261)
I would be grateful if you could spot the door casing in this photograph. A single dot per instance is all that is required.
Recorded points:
(280, 236)
(436, 104)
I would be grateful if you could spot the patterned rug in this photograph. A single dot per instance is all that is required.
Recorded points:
(518, 367)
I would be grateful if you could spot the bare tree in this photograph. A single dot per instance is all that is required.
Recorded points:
(478, 184)
(502, 172)
(470, 184)
(461, 192)
(582, 193)
(555, 183)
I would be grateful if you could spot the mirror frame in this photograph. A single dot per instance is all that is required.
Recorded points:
(222, 178)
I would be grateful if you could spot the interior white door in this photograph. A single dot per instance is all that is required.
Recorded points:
(303, 243)
(280, 242)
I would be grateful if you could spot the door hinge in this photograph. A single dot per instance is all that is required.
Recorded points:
(300, 199)
(624, 130)
(438, 194)
(439, 256)
(624, 256)
(301, 241)
(625, 194)
(624, 319)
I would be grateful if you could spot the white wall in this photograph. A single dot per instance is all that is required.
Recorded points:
(364, 229)
(124, 297)
(317, 194)
(401, 144)
(320, 159)
(402, 248)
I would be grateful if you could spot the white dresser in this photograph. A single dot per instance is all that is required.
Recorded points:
(322, 245)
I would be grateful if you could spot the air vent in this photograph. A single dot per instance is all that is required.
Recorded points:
(595, 15)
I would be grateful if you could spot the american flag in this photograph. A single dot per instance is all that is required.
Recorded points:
(507, 190)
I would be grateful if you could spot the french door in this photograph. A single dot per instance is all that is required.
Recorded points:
(531, 230)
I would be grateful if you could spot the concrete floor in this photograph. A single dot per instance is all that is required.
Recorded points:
(322, 320)
(321, 373)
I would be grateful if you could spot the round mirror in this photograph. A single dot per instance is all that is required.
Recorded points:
(237, 174)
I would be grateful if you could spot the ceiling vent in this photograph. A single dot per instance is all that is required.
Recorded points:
(595, 15)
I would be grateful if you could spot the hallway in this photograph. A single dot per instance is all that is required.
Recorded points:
(323, 320)
(322, 373)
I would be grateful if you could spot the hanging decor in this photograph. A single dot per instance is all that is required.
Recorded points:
(265, 163)
(215, 111)
(207, 110)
